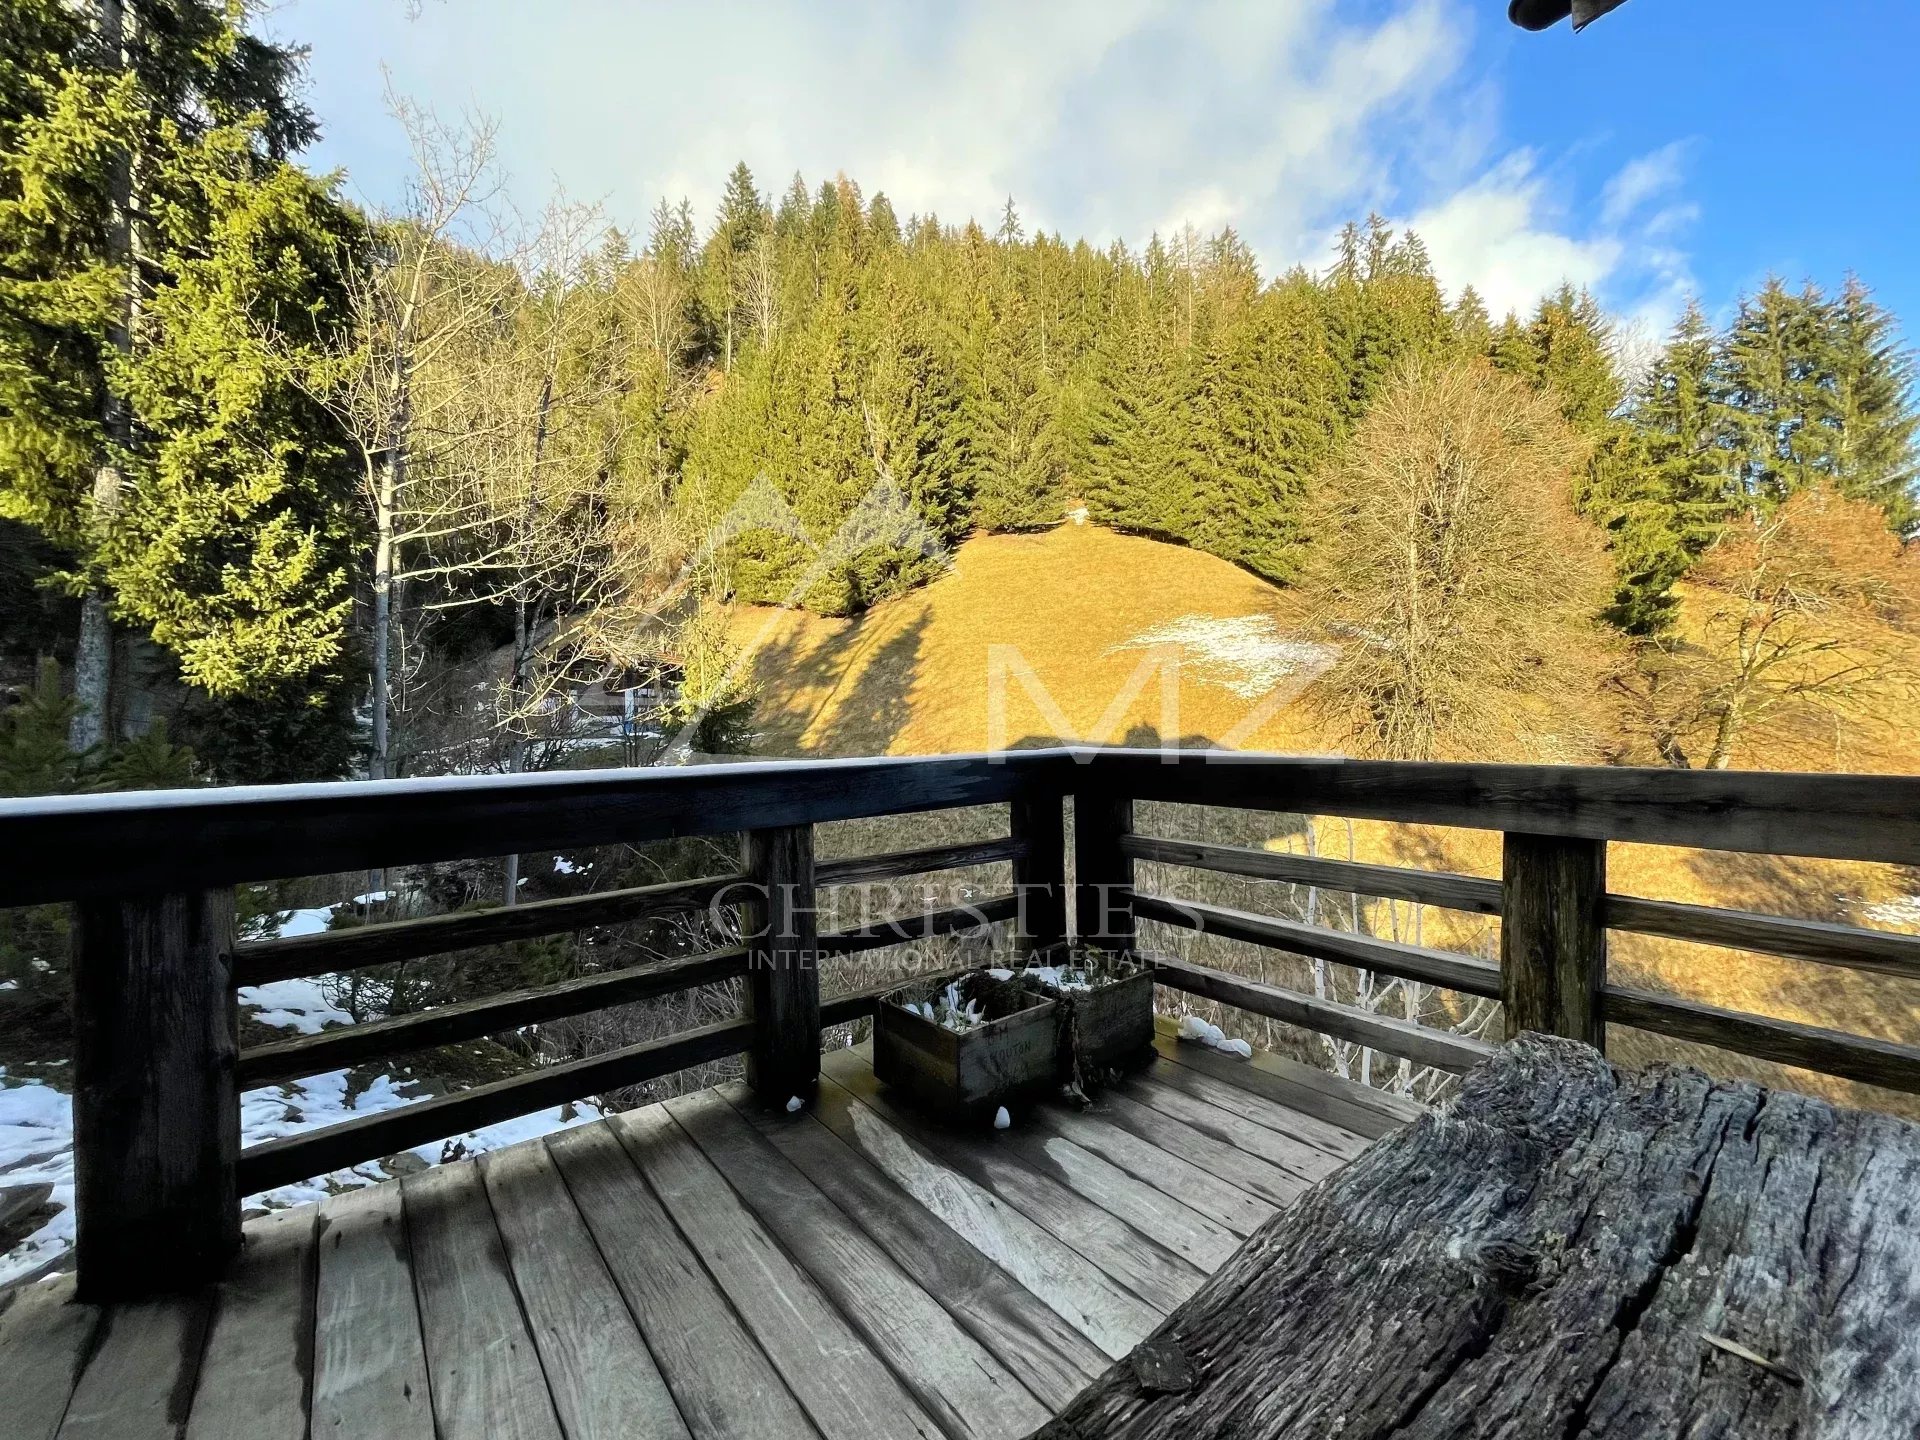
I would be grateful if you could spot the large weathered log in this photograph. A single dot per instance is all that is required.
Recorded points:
(1568, 1251)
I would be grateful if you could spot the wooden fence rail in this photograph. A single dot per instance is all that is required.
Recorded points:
(158, 1068)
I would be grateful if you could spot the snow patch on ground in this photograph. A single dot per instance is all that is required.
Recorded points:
(1245, 654)
(36, 1148)
(36, 1144)
(290, 924)
(1904, 911)
(299, 1005)
(276, 1111)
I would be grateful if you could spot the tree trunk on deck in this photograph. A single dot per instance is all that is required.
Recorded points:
(1569, 1251)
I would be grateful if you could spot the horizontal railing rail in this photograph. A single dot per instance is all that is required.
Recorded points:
(1562, 907)
(281, 1162)
(159, 1068)
(261, 962)
(1445, 968)
(345, 1045)
(1424, 1044)
(1387, 882)
(869, 869)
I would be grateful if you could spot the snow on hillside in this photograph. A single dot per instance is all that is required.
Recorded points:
(1245, 654)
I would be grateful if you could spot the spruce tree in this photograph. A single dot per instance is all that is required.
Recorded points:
(1778, 404)
(152, 231)
(1875, 456)
(737, 228)
(1472, 326)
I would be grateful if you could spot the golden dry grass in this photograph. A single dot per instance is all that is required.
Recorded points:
(912, 676)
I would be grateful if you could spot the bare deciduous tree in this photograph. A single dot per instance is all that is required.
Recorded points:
(1464, 590)
(425, 303)
(1807, 611)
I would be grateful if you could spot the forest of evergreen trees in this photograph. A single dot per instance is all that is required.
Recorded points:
(1177, 393)
(302, 447)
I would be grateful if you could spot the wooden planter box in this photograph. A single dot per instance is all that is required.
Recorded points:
(1019, 1052)
(966, 1073)
(1114, 1019)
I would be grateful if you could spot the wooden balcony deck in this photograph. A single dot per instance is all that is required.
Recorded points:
(706, 1268)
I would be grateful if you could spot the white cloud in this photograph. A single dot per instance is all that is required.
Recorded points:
(1497, 234)
(1104, 117)
(1641, 182)
(1511, 233)
(1107, 119)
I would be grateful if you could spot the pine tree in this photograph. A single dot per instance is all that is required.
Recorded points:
(1661, 486)
(1778, 406)
(1875, 456)
(143, 190)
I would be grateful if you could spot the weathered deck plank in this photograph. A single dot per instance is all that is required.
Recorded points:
(481, 1362)
(604, 1383)
(1217, 1156)
(1053, 1358)
(1108, 1314)
(1234, 1209)
(1238, 1099)
(797, 1326)
(1359, 1108)
(1152, 1272)
(1308, 1162)
(952, 1375)
(369, 1363)
(45, 1335)
(1162, 1218)
(254, 1377)
(139, 1380)
(721, 1379)
(705, 1269)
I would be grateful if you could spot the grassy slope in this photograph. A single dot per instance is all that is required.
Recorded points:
(912, 678)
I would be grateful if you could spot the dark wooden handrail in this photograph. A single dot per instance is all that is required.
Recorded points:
(1834, 817)
(174, 840)
(171, 840)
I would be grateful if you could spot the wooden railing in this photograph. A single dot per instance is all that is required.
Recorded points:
(159, 1071)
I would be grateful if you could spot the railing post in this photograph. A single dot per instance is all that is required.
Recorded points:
(1102, 874)
(1553, 939)
(1040, 874)
(783, 974)
(156, 1105)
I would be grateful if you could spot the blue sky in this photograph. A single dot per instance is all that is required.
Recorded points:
(1674, 147)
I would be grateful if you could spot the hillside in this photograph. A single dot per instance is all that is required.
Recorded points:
(1088, 616)
(1085, 608)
